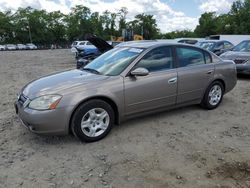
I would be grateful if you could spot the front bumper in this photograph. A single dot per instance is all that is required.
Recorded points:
(243, 69)
(47, 122)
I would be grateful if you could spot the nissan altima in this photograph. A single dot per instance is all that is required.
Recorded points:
(125, 82)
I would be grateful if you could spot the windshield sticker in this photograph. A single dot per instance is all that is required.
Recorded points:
(135, 50)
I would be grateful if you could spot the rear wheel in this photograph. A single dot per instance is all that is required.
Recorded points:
(92, 120)
(213, 96)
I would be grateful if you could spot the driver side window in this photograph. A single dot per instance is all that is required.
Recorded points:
(157, 59)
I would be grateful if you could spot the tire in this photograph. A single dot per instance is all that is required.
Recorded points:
(215, 90)
(92, 120)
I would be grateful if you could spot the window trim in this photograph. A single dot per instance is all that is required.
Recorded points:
(205, 52)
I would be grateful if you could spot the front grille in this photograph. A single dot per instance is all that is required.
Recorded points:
(22, 99)
(239, 61)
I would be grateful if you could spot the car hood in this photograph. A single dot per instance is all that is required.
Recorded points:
(57, 83)
(232, 55)
(100, 44)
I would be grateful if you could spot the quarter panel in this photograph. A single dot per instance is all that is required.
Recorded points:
(226, 70)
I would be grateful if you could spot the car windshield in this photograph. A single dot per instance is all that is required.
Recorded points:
(113, 62)
(206, 45)
(242, 47)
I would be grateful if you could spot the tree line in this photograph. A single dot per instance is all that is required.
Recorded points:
(45, 28)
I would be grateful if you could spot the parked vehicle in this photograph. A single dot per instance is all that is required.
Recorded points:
(216, 46)
(31, 46)
(88, 54)
(234, 39)
(114, 43)
(10, 47)
(240, 54)
(191, 41)
(124, 82)
(21, 47)
(81, 45)
(2, 47)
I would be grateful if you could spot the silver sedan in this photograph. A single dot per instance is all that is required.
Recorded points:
(125, 82)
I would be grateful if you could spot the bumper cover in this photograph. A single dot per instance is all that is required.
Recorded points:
(243, 69)
(48, 122)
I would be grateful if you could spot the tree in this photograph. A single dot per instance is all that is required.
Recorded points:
(122, 13)
(147, 25)
(207, 25)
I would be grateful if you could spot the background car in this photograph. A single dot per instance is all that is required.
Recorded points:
(2, 47)
(216, 46)
(191, 41)
(21, 47)
(31, 46)
(125, 82)
(88, 54)
(81, 45)
(240, 54)
(10, 47)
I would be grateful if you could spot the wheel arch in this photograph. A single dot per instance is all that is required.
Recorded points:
(221, 81)
(104, 98)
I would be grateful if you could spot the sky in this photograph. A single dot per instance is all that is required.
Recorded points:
(171, 15)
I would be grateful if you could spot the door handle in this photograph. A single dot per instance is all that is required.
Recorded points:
(172, 80)
(210, 72)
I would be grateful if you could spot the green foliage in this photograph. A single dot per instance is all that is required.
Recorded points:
(236, 21)
(55, 27)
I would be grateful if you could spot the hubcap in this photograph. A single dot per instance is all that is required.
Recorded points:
(215, 95)
(95, 122)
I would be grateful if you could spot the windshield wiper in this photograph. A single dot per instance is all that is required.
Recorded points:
(91, 70)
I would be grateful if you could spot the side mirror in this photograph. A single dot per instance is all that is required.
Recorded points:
(139, 72)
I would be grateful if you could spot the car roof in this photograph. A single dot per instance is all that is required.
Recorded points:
(214, 41)
(150, 43)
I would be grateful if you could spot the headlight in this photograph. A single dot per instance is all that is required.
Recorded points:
(46, 102)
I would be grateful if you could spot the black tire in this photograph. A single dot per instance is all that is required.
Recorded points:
(82, 110)
(205, 102)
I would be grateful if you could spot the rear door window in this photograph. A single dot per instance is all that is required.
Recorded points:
(189, 56)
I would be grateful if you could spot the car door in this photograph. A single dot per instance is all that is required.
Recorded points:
(157, 89)
(195, 71)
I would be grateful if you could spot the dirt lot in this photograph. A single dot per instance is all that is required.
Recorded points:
(188, 147)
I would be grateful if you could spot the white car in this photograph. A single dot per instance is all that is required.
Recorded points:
(80, 45)
(10, 47)
(21, 47)
(31, 46)
(2, 47)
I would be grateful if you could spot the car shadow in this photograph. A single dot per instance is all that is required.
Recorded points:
(160, 115)
(243, 77)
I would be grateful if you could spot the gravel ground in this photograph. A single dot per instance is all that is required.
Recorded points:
(187, 147)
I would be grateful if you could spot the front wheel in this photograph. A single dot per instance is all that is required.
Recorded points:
(213, 96)
(92, 120)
